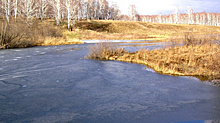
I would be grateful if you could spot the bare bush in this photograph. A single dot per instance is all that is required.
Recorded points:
(196, 39)
(193, 39)
(12, 35)
(19, 35)
(105, 50)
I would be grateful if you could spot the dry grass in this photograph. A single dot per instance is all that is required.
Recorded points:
(195, 58)
(46, 33)
(189, 38)
(20, 35)
(48, 41)
(105, 51)
(118, 30)
(199, 60)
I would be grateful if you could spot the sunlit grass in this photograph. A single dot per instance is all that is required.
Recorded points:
(197, 57)
(127, 30)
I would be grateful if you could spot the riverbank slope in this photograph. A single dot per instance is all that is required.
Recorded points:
(18, 35)
(199, 60)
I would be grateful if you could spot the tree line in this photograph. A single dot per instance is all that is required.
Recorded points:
(189, 17)
(71, 10)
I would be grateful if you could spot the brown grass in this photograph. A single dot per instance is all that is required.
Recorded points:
(46, 33)
(105, 51)
(17, 34)
(193, 59)
(199, 60)
(48, 41)
(189, 38)
(118, 30)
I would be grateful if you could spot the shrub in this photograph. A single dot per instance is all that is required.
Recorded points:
(19, 34)
(105, 50)
(13, 35)
(193, 39)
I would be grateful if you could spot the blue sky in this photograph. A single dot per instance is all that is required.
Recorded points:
(149, 7)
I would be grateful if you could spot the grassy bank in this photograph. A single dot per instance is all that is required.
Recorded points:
(20, 34)
(129, 30)
(197, 59)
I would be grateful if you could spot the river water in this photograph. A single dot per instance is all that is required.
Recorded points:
(56, 84)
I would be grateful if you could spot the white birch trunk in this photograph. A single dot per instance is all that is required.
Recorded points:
(68, 12)
(6, 7)
(16, 9)
(57, 12)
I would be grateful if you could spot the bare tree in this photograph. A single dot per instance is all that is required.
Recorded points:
(68, 5)
(176, 14)
(114, 12)
(104, 6)
(87, 7)
(57, 10)
(43, 8)
(29, 9)
(2, 8)
(71, 6)
(132, 12)
(189, 11)
(217, 21)
(6, 8)
(15, 4)
(159, 18)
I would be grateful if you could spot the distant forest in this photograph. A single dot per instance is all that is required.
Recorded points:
(73, 10)
(59, 9)
(190, 17)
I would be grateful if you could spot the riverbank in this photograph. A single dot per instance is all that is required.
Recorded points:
(19, 35)
(132, 30)
(201, 61)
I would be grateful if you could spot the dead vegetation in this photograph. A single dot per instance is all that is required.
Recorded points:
(127, 30)
(199, 60)
(197, 56)
(46, 33)
(18, 34)
(105, 51)
(190, 38)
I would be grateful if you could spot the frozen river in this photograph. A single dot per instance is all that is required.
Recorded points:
(56, 84)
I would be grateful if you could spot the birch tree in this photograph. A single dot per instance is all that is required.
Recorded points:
(159, 18)
(2, 8)
(80, 9)
(57, 10)
(15, 9)
(87, 7)
(114, 12)
(217, 21)
(71, 6)
(189, 11)
(132, 12)
(43, 7)
(103, 8)
(209, 17)
(68, 5)
(176, 14)
(6, 8)
(29, 9)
